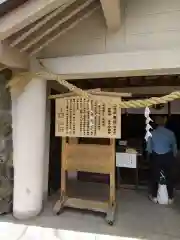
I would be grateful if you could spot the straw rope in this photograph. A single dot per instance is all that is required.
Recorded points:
(140, 103)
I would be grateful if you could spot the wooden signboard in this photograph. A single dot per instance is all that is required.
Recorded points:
(80, 117)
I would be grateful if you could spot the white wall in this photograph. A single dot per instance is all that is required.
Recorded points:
(146, 25)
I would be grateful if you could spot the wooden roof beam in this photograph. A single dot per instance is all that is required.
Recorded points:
(42, 34)
(71, 26)
(12, 58)
(139, 63)
(112, 14)
(26, 14)
(41, 23)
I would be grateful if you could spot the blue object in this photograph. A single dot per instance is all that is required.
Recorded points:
(162, 141)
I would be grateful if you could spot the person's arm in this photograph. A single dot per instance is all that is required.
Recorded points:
(174, 145)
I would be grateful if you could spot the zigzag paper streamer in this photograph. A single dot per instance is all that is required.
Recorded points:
(148, 126)
(148, 120)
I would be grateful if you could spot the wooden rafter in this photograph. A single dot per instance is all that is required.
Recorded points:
(112, 13)
(56, 25)
(71, 26)
(9, 5)
(40, 24)
(29, 13)
(12, 58)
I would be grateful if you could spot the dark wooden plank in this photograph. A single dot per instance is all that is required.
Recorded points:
(10, 5)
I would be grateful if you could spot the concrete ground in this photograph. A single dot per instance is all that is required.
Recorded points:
(136, 218)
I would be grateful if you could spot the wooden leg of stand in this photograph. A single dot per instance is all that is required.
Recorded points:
(63, 166)
(59, 204)
(113, 175)
(112, 189)
(112, 206)
(111, 212)
(63, 171)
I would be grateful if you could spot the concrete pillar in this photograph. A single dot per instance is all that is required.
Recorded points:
(29, 111)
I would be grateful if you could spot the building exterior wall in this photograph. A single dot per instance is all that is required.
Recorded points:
(146, 25)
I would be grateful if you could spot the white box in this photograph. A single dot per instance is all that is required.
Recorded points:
(126, 160)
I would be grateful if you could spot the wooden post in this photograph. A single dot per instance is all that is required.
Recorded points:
(63, 169)
(112, 174)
